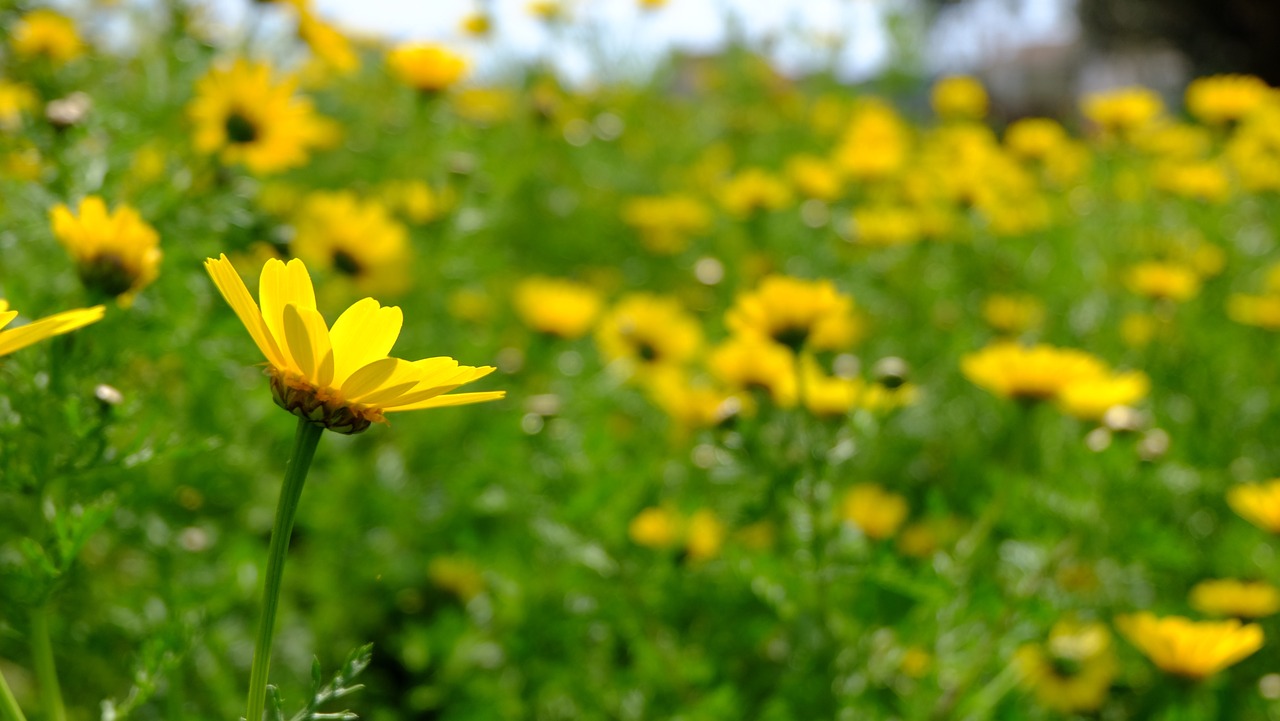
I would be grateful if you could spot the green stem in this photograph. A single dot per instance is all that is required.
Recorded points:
(46, 672)
(9, 710)
(304, 449)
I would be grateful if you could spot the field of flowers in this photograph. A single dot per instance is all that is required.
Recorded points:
(780, 399)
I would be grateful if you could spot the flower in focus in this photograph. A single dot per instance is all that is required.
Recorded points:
(646, 331)
(1221, 99)
(1090, 398)
(752, 191)
(339, 377)
(1125, 111)
(1164, 281)
(959, 97)
(655, 527)
(1240, 599)
(1190, 649)
(1013, 314)
(14, 339)
(1257, 503)
(1073, 670)
(15, 100)
(797, 313)
(244, 116)
(427, 68)
(117, 253)
(875, 511)
(1038, 372)
(357, 238)
(557, 307)
(46, 34)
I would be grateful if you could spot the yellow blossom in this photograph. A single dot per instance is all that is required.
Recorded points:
(339, 377)
(46, 34)
(797, 313)
(14, 339)
(358, 238)
(1073, 671)
(556, 307)
(1231, 597)
(16, 100)
(876, 144)
(655, 527)
(328, 44)
(427, 68)
(1262, 311)
(1206, 180)
(751, 362)
(646, 331)
(1164, 281)
(666, 222)
(477, 24)
(1190, 649)
(1220, 99)
(117, 253)
(1038, 372)
(752, 191)
(814, 177)
(1124, 111)
(1257, 503)
(1013, 314)
(1090, 398)
(1035, 138)
(959, 97)
(876, 512)
(705, 536)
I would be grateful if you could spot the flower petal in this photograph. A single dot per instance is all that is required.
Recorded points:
(364, 333)
(309, 344)
(17, 338)
(237, 296)
(457, 399)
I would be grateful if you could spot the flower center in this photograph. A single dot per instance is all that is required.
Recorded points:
(240, 129)
(793, 337)
(346, 263)
(107, 274)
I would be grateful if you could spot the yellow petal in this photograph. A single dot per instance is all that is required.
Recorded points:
(309, 344)
(237, 296)
(17, 338)
(457, 399)
(364, 333)
(280, 285)
(7, 316)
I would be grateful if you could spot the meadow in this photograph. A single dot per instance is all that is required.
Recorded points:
(776, 398)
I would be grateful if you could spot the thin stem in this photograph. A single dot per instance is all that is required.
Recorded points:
(46, 672)
(9, 710)
(304, 449)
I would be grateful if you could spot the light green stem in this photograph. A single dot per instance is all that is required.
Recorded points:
(304, 449)
(46, 671)
(9, 710)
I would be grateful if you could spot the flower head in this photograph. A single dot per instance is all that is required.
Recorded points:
(1231, 597)
(1124, 111)
(1090, 398)
(1037, 372)
(117, 253)
(15, 100)
(796, 313)
(747, 362)
(959, 97)
(1221, 99)
(427, 68)
(47, 34)
(1191, 649)
(357, 238)
(18, 338)
(752, 191)
(1072, 672)
(1164, 281)
(876, 512)
(339, 377)
(241, 113)
(1257, 503)
(557, 307)
(648, 331)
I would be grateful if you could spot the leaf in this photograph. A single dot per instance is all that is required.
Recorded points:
(340, 685)
(274, 711)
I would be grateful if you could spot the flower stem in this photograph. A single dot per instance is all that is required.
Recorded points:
(304, 449)
(46, 672)
(9, 710)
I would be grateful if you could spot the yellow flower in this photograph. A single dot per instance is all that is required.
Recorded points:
(1090, 398)
(1138, 329)
(797, 313)
(1191, 649)
(1164, 281)
(116, 254)
(876, 144)
(750, 362)
(1124, 111)
(655, 527)
(1035, 138)
(1230, 597)
(47, 34)
(666, 222)
(915, 661)
(416, 201)
(705, 536)
(652, 4)
(329, 45)
(24, 335)
(1038, 372)
(557, 307)
(1205, 180)
(959, 97)
(691, 405)
(752, 191)
(547, 10)
(875, 511)
(477, 24)
(484, 106)
(646, 331)
(1221, 99)
(1013, 314)
(1257, 503)
(814, 177)
(1262, 311)
(245, 117)
(1072, 672)
(339, 377)
(357, 238)
(427, 68)
(457, 575)
(886, 226)
(15, 100)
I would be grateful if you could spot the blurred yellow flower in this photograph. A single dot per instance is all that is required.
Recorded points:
(16, 100)
(797, 313)
(645, 331)
(1221, 99)
(1164, 281)
(46, 34)
(959, 97)
(1073, 671)
(1231, 597)
(556, 307)
(457, 575)
(655, 527)
(884, 226)
(752, 191)
(1035, 138)
(357, 238)
(1204, 180)
(1038, 372)
(666, 222)
(1124, 111)
(547, 10)
(1190, 649)
(693, 405)
(1257, 503)
(485, 106)
(244, 116)
(427, 68)
(1013, 314)
(13, 339)
(705, 536)
(339, 377)
(814, 177)
(416, 201)
(876, 144)
(477, 24)
(876, 512)
(117, 253)
(915, 661)
(328, 44)
(1138, 329)
(1090, 398)
(1261, 311)
(751, 363)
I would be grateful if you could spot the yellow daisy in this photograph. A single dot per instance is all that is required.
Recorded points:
(1191, 649)
(1231, 597)
(339, 377)
(797, 313)
(1257, 503)
(18, 338)
(427, 68)
(557, 307)
(1073, 671)
(117, 253)
(358, 238)
(48, 34)
(1039, 372)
